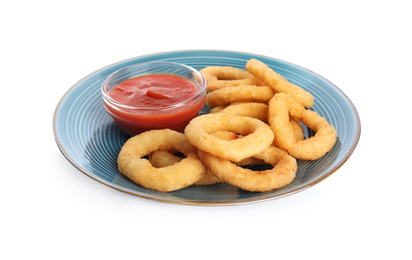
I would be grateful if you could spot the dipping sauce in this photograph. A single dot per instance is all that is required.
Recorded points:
(154, 101)
(153, 91)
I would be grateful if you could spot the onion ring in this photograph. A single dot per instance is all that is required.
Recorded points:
(227, 135)
(226, 76)
(245, 93)
(257, 135)
(283, 172)
(259, 111)
(163, 158)
(173, 177)
(278, 83)
(251, 109)
(281, 107)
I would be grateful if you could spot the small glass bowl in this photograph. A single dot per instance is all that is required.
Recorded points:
(135, 120)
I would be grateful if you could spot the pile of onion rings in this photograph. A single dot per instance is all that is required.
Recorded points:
(257, 117)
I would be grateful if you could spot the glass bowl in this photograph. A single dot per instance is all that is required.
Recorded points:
(136, 119)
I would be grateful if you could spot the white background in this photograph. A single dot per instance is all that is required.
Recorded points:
(50, 210)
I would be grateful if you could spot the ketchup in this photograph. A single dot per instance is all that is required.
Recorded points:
(154, 101)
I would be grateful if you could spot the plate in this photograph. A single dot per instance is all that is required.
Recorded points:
(91, 141)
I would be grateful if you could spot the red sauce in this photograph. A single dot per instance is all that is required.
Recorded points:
(153, 97)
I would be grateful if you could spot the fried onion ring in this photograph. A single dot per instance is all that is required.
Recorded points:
(245, 93)
(163, 158)
(278, 83)
(226, 76)
(283, 172)
(227, 135)
(173, 177)
(283, 106)
(257, 135)
(259, 111)
(252, 109)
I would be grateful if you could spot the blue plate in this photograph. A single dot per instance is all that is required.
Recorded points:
(91, 141)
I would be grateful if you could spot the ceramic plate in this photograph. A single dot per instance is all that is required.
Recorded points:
(91, 141)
